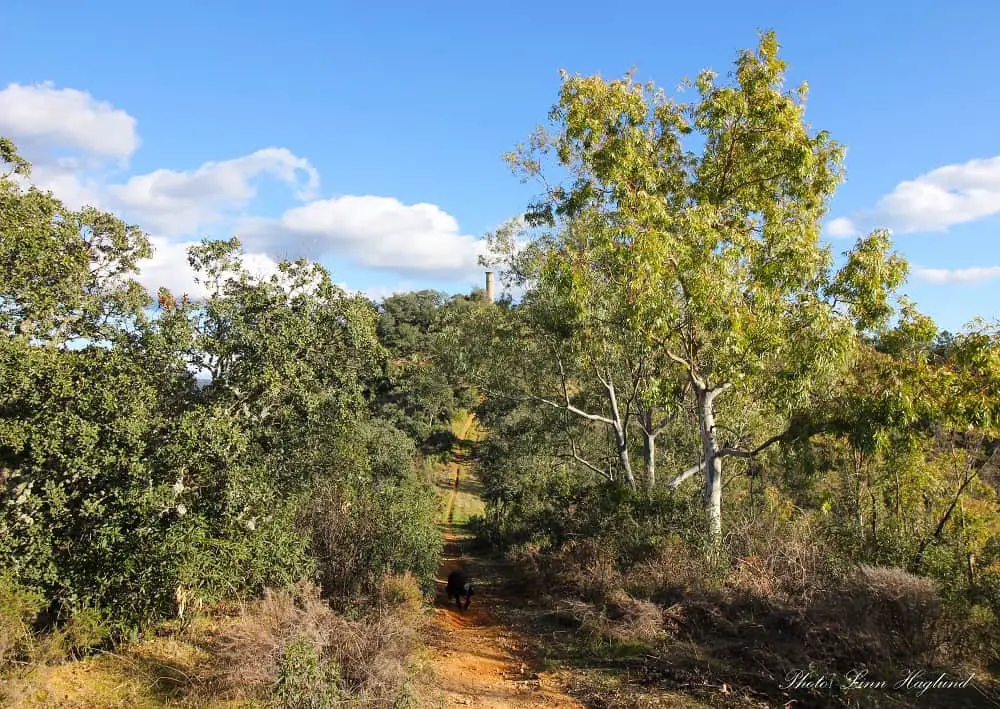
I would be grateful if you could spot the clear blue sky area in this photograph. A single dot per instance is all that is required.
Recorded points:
(418, 101)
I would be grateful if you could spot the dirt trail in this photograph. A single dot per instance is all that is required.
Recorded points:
(475, 662)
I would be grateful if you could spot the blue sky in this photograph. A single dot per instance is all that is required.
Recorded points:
(378, 107)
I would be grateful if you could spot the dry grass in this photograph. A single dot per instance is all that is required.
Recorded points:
(774, 604)
(675, 569)
(176, 670)
(368, 658)
(242, 657)
(584, 569)
(888, 615)
(634, 619)
(784, 561)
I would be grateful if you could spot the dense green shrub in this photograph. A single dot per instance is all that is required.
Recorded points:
(417, 395)
(130, 490)
(86, 508)
(358, 534)
(305, 679)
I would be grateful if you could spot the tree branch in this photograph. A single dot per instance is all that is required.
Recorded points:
(666, 421)
(562, 377)
(562, 407)
(971, 474)
(757, 181)
(586, 463)
(698, 381)
(681, 477)
(683, 362)
(741, 453)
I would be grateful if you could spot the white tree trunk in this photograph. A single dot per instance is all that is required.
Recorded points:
(713, 462)
(649, 459)
(620, 429)
(621, 442)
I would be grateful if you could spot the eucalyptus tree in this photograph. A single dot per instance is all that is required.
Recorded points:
(685, 236)
(603, 383)
(921, 422)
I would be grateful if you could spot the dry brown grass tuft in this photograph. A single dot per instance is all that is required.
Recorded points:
(888, 613)
(783, 561)
(591, 570)
(641, 621)
(367, 657)
(753, 575)
(401, 592)
(620, 618)
(675, 568)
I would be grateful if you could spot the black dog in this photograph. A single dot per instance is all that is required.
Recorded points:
(458, 586)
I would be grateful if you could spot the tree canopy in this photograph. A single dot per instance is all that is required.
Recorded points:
(675, 253)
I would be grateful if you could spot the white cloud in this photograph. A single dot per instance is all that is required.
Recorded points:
(75, 188)
(964, 276)
(841, 228)
(76, 142)
(377, 232)
(41, 116)
(380, 293)
(169, 268)
(46, 123)
(936, 200)
(175, 202)
(69, 136)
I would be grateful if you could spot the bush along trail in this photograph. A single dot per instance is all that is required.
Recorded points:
(475, 661)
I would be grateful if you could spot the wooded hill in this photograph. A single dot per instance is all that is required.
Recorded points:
(698, 419)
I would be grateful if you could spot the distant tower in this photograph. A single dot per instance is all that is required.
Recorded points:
(489, 295)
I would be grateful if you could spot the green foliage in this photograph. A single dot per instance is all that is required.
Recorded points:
(680, 310)
(535, 497)
(84, 496)
(417, 394)
(306, 680)
(128, 487)
(418, 399)
(674, 263)
(361, 532)
(84, 629)
(66, 273)
(905, 473)
(390, 451)
(18, 609)
(406, 321)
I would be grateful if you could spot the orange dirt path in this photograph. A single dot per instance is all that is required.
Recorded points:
(474, 661)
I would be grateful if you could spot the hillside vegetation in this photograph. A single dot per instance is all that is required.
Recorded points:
(721, 462)
(724, 454)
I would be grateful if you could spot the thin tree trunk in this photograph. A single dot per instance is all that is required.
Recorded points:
(713, 462)
(649, 459)
(619, 428)
(859, 505)
(649, 432)
(939, 529)
(621, 443)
